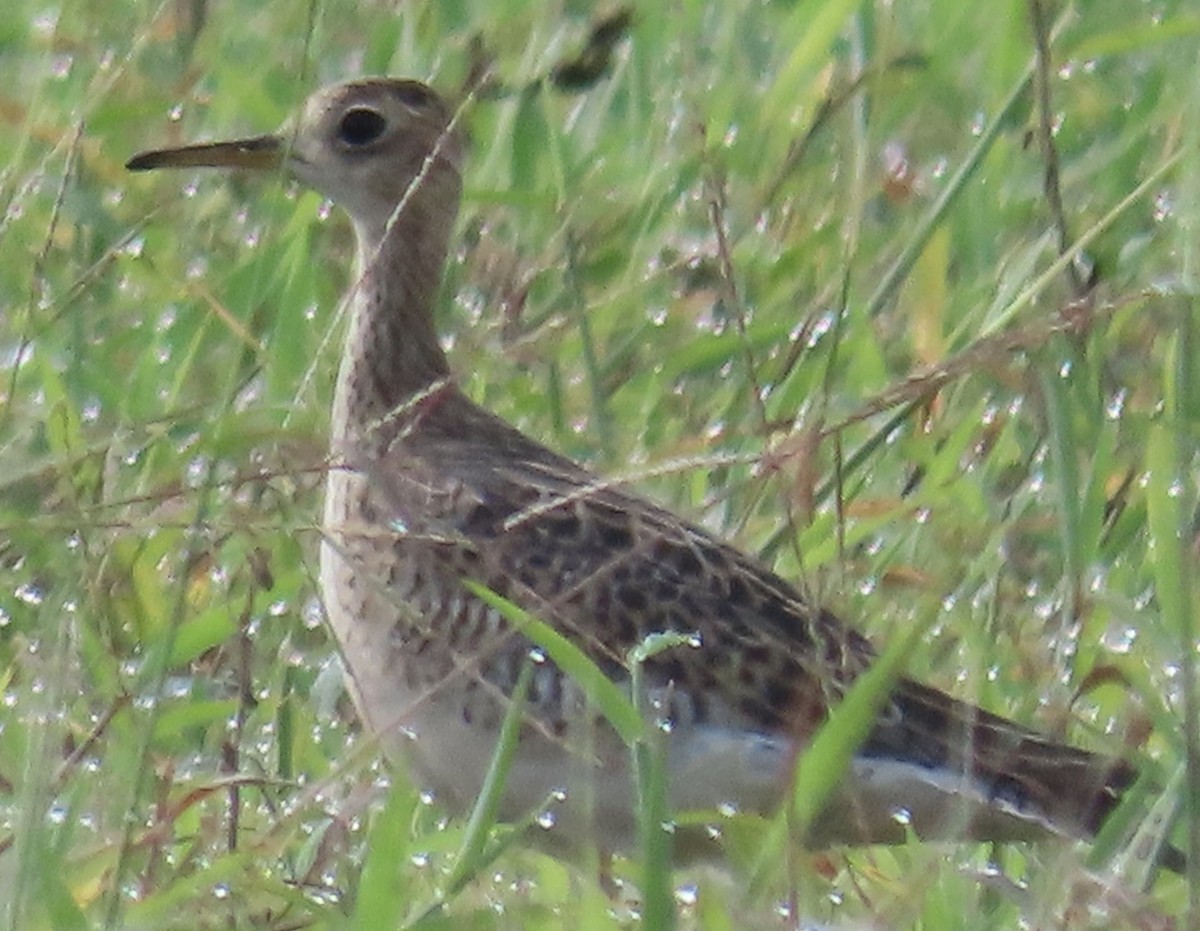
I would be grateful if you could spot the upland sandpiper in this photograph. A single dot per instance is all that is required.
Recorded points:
(426, 490)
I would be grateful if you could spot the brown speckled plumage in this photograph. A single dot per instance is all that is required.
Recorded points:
(426, 489)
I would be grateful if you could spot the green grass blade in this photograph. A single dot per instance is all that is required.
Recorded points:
(608, 698)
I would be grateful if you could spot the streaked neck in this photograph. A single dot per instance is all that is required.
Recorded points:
(392, 351)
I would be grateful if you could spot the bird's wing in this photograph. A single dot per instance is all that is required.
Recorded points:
(606, 568)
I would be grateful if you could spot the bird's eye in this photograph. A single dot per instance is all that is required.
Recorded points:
(361, 126)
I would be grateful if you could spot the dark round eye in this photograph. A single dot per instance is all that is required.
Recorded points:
(361, 126)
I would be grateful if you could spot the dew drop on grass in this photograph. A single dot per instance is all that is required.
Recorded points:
(546, 820)
(1163, 206)
(29, 593)
(1119, 638)
(822, 326)
(687, 894)
(311, 613)
(902, 816)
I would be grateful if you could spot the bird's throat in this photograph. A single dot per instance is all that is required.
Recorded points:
(392, 351)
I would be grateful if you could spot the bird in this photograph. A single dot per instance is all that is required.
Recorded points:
(432, 501)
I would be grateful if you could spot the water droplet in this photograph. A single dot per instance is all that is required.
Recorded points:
(45, 23)
(1163, 206)
(1119, 638)
(29, 593)
(687, 894)
(546, 820)
(822, 326)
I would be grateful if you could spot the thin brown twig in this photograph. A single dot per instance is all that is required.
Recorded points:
(1045, 133)
(1071, 319)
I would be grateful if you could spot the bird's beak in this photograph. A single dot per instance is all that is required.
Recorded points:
(260, 152)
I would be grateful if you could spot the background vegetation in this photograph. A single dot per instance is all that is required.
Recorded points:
(795, 268)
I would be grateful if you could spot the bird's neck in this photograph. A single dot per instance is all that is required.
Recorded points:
(392, 355)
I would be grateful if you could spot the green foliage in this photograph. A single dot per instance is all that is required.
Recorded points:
(789, 266)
